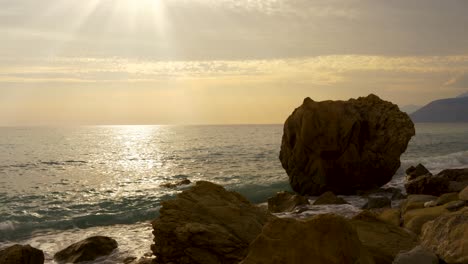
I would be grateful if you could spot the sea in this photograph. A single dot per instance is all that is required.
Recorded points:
(61, 185)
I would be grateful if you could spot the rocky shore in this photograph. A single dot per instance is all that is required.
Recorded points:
(330, 149)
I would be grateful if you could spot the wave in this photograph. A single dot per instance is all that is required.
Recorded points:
(438, 163)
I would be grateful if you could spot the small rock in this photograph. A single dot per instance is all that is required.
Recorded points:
(417, 255)
(172, 185)
(286, 202)
(416, 201)
(414, 172)
(455, 205)
(430, 204)
(87, 250)
(329, 198)
(463, 195)
(19, 254)
(377, 202)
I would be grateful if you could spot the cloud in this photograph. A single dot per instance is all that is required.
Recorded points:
(460, 81)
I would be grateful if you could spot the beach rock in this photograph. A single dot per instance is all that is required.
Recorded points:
(383, 240)
(417, 255)
(325, 239)
(21, 254)
(446, 198)
(344, 146)
(414, 172)
(329, 198)
(416, 201)
(463, 195)
(391, 216)
(447, 181)
(87, 250)
(173, 185)
(415, 219)
(286, 202)
(377, 202)
(206, 224)
(447, 237)
(455, 205)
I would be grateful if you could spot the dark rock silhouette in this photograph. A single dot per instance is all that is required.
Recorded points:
(344, 146)
(414, 172)
(87, 250)
(447, 181)
(19, 254)
(285, 202)
(206, 224)
(450, 110)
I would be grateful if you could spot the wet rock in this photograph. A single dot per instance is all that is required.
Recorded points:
(463, 195)
(377, 202)
(87, 250)
(417, 255)
(383, 240)
(21, 254)
(416, 201)
(415, 219)
(206, 224)
(454, 205)
(325, 239)
(344, 146)
(173, 185)
(391, 216)
(447, 181)
(286, 202)
(446, 198)
(447, 237)
(414, 172)
(329, 198)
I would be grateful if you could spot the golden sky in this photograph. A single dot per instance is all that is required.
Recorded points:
(66, 62)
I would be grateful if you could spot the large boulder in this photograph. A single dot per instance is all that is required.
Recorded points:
(447, 181)
(285, 202)
(344, 146)
(417, 255)
(19, 254)
(415, 219)
(463, 195)
(87, 250)
(383, 240)
(325, 239)
(206, 224)
(447, 236)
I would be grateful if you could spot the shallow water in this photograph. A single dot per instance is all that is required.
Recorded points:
(57, 185)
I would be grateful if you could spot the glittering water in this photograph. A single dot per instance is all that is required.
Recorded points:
(54, 182)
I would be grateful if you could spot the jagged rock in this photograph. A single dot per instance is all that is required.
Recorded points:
(87, 250)
(463, 195)
(447, 181)
(325, 239)
(417, 255)
(383, 240)
(416, 201)
(446, 198)
(447, 237)
(344, 146)
(391, 216)
(377, 202)
(329, 198)
(206, 224)
(286, 202)
(21, 254)
(414, 172)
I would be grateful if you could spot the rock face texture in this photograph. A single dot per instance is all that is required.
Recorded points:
(447, 181)
(325, 239)
(447, 237)
(383, 240)
(87, 250)
(344, 146)
(206, 224)
(285, 202)
(19, 254)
